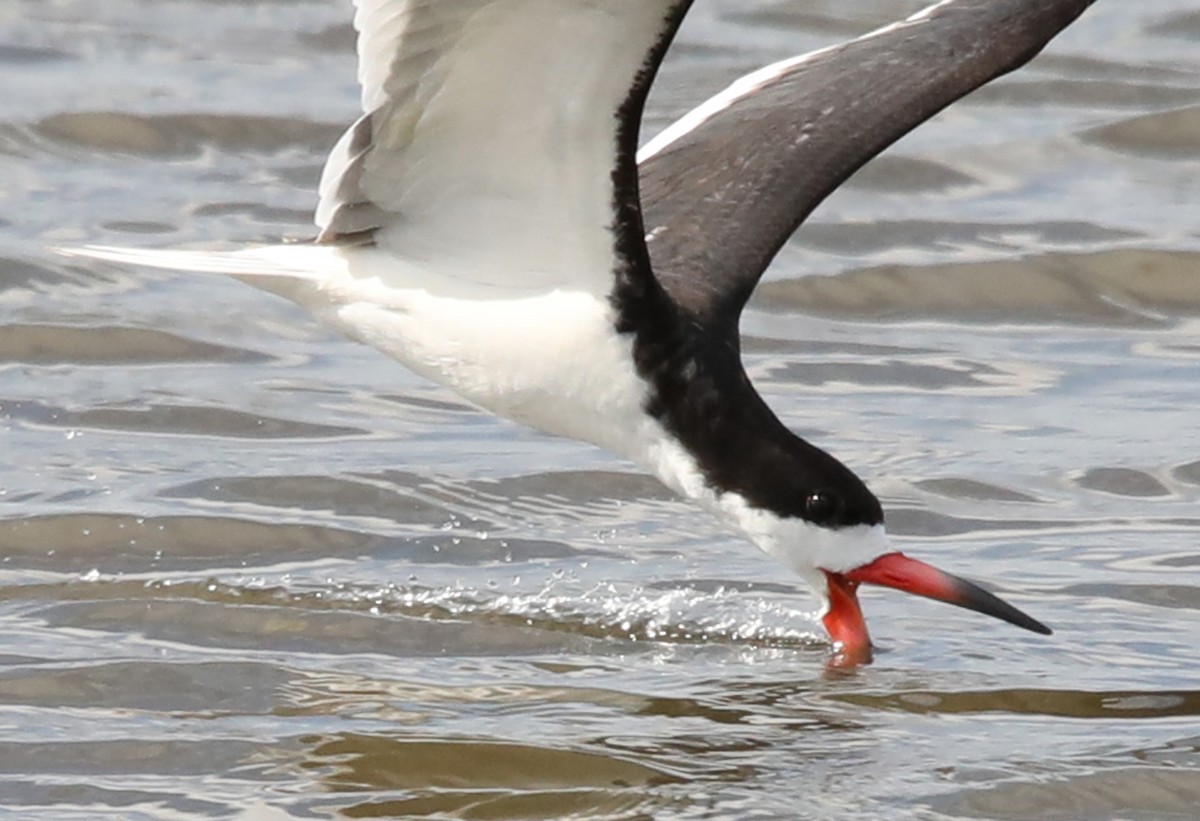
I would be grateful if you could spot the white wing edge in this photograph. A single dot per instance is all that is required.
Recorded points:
(748, 84)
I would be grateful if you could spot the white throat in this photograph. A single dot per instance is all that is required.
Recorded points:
(801, 546)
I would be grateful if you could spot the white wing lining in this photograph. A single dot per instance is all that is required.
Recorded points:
(490, 134)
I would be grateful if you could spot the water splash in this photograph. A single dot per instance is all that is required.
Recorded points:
(609, 610)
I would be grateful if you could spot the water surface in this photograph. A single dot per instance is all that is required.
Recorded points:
(248, 568)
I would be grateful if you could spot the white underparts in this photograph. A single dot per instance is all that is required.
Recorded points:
(551, 360)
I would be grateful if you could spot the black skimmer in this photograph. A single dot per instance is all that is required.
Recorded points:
(490, 223)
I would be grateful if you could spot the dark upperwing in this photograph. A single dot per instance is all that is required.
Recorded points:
(720, 201)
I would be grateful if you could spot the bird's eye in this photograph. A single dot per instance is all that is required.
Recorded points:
(820, 507)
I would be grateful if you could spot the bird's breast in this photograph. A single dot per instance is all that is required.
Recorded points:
(552, 360)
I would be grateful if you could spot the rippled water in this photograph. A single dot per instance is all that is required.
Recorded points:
(250, 568)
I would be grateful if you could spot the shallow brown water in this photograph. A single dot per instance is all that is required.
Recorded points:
(249, 569)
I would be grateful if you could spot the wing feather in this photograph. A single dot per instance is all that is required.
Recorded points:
(490, 133)
(725, 187)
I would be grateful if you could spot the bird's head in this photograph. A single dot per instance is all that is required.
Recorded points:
(796, 502)
(834, 537)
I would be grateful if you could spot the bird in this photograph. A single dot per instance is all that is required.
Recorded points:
(491, 223)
